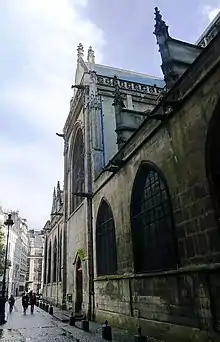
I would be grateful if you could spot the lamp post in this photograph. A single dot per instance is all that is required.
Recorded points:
(9, 223)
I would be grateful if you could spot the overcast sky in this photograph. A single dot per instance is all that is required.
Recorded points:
(38, 40)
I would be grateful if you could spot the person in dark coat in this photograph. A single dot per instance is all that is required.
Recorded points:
(32, 301)
(25, 302)
(11, 302)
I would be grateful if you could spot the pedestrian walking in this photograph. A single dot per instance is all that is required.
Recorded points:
(25, 302)
(32, 301)
(11, 302)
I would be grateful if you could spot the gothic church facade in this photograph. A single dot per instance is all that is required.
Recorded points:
(140, 203)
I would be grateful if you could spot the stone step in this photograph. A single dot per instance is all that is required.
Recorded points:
(61, 316)
(64, 316)
(78, 317)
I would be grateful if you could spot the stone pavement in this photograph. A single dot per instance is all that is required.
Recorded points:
(43, 327)
(37, 327)
(94, 335)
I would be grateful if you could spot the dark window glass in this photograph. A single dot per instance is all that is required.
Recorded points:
(55, 260)
(152, 224)
(49, 265)
(60, 255)
(78, 177)
(105, 241)
(45, 261)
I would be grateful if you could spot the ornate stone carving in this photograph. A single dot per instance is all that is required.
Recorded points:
(94, 101)
(80, 50)
(160, 28)
(91, 55)
(92, 76)
(117, 94)
(127, 85)
(66, 147)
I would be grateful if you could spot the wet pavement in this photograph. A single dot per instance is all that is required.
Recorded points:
(41, 326)
(32, 327)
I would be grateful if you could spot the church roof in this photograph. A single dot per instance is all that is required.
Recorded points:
(215, 21)
(127, 75)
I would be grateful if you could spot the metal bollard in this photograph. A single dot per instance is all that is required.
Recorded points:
(85, 324)
(37, 303)
(72, 320)
(43, 306)
(47, 307)
(106, 332)
(51, 310)
(139, 337)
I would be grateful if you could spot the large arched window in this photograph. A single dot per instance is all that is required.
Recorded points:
(212, 158)
(78, 177)
(45, 261)
(106, 254)
(49, 265)
(60, 256)
(55, 260)
(152, 222)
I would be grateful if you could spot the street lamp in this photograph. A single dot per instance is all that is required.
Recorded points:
(9, 223)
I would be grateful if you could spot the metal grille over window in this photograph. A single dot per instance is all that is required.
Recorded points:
(78, 178)
(105, 241)
(152, 223)
(49, 265)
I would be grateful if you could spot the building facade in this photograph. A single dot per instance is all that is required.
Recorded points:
(53, 279)
(140, 211)
(17, 253)
(35, 261)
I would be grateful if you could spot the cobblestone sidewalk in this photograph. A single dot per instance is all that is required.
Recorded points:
(95, 334)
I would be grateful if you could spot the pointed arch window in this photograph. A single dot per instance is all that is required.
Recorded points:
(78, 176)
(212, 157)
(49, 265)
(60, 256)
(45, 261)
(152, 224)
(55, 260)
(106, 253)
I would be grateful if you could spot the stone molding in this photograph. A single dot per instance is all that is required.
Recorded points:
(127, 85)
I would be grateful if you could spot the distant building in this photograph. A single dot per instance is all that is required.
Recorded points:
(17, 253)
(35, 260)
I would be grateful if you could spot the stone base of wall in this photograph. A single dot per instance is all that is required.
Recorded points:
(53, 294)
(163, 331)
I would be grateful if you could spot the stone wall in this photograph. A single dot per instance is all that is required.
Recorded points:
(76, 240)
(53, 291)
(175, 297)
(180, 298)
(183, 296)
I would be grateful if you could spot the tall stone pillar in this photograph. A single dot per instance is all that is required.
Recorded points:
(90, 126)
(94, 108)
(65, 213)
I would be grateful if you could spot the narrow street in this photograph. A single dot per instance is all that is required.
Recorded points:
(37, 327)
